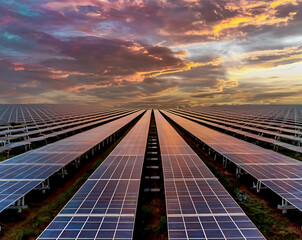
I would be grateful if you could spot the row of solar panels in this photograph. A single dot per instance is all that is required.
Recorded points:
(58, 130)
(198, 207)
(52, 123)
(281, 174)
(245, 131)
(105, 206)
(32, 114)
(254, 121)
(288, 134)
(274, 115)
(21, 174)
(48, 125)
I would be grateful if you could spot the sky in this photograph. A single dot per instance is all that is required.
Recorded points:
(157, 53)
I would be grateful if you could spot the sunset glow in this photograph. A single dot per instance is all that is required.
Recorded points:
(151, 53)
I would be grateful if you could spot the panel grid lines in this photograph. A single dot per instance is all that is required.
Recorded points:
(269, 167)
(198, 207)
(105, 206)
(40, 164)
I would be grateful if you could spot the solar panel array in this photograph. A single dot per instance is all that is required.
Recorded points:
(284, 116)
(270, 131)
(31, 114)
(243, 130)
(198, 207)
(24, 133)
(280, 173)
(251, 120)
(105, 206)
(20, 174)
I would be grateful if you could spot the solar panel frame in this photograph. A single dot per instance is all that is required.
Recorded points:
(10, 191)
(197, 205)
(44, 137)
(239, 120)
(249, 134)
(266, 172)
(56, 155)
(282, 116)
(109, 196)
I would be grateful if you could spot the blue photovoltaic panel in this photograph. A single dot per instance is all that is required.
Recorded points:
(21, 171)
(104, 197)
(90, 227)
(274, 171)
(39, 164)
(249, 115)
(249, 134)
(54, 129)
(10, 191)
(242, 125)
(39, 157)
(290, 190)
(199, 197)
(270, 168)
(212, 227)
(105, 206)
(123, 167)
(197, 205)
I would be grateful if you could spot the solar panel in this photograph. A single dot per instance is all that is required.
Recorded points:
(225, 119)
(30, 130)
(289, 189)
(268, 167)
(90, 227)
(258, 137)
(43, 162)
(274, 171)
(282, 117)
(59, 130)
(27, 171)
(198, 206)
(105, 206)
(26, 115)
(12, 190)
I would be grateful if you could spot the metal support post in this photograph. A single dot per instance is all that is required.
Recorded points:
(258, 186)
(238, 172)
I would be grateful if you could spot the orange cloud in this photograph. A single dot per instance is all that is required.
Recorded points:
(17, 66)
(277, 3)
(246, 18)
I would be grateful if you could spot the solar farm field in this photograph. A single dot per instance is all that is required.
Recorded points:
(202, 173)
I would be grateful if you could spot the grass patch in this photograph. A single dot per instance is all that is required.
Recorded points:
(162, 227)
(264, 218)
(151, 227)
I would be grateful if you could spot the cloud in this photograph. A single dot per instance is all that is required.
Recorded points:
(130, 53)
(104, 68)
(275, 95)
